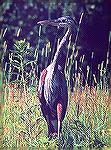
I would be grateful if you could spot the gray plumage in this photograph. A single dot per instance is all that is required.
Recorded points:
(52, 88)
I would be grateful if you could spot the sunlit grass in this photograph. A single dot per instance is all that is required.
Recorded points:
(88, 116)
(23, 124)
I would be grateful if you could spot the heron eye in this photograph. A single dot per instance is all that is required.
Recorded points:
(63, 20)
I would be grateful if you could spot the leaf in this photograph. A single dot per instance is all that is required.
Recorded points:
(17, 67)
(28, 63)
(16, 61)
(17, 56)
(18, 53)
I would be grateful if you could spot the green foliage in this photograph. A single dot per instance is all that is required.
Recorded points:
(23, 123)
(20, 63)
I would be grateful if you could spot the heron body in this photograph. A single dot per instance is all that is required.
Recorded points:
(52, 90)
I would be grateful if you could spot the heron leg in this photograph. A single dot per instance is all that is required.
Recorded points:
(51, 122)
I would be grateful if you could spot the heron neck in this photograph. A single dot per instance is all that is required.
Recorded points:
(62, 46)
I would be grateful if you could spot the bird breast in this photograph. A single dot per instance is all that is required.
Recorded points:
(50, 85)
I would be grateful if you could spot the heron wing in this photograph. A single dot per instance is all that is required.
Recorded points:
(55, 89)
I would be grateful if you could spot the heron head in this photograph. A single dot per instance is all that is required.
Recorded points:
(66, 21)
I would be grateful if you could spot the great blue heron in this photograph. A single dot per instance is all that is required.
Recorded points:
(52, 90)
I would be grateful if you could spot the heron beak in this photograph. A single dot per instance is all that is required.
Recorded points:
(49, 22)
(59, 111)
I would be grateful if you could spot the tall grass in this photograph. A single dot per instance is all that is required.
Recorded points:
(23, 124)
(88, 119)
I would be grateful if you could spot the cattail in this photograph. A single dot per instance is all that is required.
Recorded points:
(107, 59)
(76, 65)
(75, 75)
(79, 76)
(81, 18)
(92, 56)
(76, 54)
(18, 32)
(107, 54)
(10, 67)
(73, 48)
(94, 78)
(101, 69)
(83, 58)
(49, 45)
(5, 66)
(5, 46)
(40, 29)
(46, 51)
(58, 41)
(42, 52)
(98, 66)
(88, 68)
(4, 32)
(68, 61)
(80, 59)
